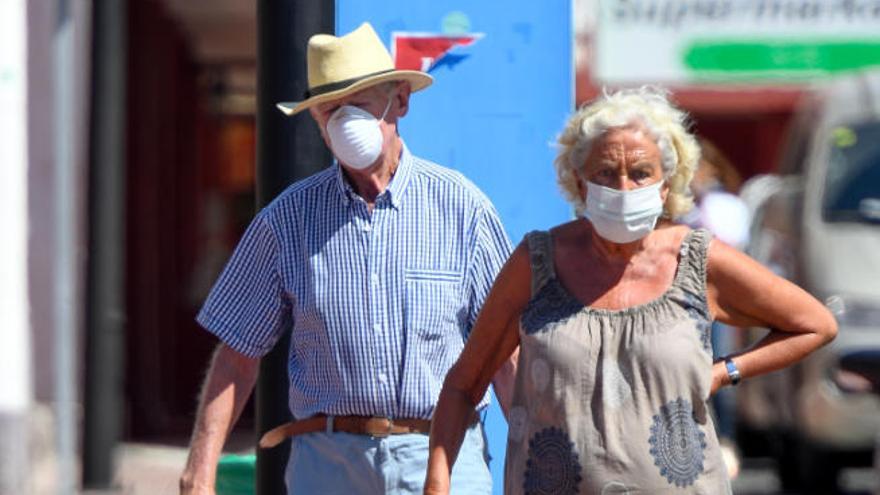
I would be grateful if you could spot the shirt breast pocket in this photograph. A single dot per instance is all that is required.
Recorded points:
(432, 304)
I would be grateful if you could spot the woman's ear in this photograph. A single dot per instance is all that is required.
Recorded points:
(582, 188)
(664, 197)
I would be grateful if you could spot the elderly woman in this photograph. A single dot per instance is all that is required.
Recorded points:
(612, 314)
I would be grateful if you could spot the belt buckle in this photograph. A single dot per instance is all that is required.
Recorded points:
(383, 429)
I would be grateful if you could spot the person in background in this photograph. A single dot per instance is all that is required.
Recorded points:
(378, 266)
(715, 186)
(612, 312)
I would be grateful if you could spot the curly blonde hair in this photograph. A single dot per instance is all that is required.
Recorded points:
(647, 106)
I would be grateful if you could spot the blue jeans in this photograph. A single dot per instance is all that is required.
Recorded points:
(342, 463)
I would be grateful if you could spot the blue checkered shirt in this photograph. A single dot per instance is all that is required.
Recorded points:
(379, 303)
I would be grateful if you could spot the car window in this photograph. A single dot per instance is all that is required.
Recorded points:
(852, 185)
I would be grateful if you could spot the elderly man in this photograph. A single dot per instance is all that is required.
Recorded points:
(379, 266)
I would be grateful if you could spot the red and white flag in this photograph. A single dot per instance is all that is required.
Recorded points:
(423, 51)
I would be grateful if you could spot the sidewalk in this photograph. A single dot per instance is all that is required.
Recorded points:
(149, 469)
(154, 469)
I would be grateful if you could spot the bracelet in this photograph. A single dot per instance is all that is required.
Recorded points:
(732, 371)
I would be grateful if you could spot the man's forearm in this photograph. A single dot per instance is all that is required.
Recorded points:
(228, 385)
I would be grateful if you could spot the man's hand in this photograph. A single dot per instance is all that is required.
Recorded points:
(189, 487)
(227, 387)
(199, 476)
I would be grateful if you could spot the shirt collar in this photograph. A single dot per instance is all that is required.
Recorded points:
(342, 185)
(396, 187)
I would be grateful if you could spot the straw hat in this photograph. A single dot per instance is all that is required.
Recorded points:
(339, 66)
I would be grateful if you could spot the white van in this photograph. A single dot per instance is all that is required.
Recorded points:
(818, 224)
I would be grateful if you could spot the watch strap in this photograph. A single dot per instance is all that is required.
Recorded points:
(732, 371)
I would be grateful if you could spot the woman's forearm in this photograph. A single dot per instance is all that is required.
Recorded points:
(775, 351)
(451, 418)
(494, 337)
(744, 293)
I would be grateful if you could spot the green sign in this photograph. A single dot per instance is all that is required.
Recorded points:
(778, 58)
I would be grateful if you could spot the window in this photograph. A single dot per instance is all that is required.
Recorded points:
(852, 185)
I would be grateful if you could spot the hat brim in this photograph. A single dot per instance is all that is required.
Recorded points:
(417, 80)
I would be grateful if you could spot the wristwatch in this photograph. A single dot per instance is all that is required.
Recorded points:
(732, 371)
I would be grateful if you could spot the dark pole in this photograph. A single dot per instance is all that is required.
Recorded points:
(288, 149)
(105, 307)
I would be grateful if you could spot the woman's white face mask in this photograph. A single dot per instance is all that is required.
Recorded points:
(355, 135)
(624, 216)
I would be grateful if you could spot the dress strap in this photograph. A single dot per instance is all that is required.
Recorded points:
(693, 257)
(541, 256)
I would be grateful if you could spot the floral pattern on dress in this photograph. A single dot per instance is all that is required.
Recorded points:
(550, 306)
(696, 309)
(677, 443)
(553, 466)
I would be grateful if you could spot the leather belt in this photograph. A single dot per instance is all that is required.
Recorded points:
(359, 425)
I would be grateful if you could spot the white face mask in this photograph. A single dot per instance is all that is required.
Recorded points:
(355, 136)
(624, 216)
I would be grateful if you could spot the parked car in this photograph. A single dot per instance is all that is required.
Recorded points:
(866, 365)
(818, 224)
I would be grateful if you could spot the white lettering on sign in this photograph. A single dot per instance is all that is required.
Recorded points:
(676, 13)
(680, 41)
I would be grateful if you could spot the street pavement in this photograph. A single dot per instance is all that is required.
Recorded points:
(153, 470)
(758, 477)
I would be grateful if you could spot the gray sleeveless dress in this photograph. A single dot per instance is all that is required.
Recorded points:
(614, 401)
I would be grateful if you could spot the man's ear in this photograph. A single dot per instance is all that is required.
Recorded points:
(314, 114)
(402, 97)
(317, 120)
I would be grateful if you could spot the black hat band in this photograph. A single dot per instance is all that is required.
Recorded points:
(330, 87)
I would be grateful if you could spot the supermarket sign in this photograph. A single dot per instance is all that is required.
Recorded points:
(681, 41)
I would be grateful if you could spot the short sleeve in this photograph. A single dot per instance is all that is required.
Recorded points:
(491, 250)
(246, 308)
